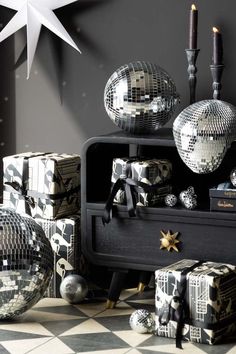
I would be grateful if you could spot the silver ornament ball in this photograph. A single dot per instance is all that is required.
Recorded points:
(73, 288)
(140, 97)
(191, 190)
(141, 321)
(170, 200)
(183, 195)
(233, 176)
(203, 132)
(190, 202)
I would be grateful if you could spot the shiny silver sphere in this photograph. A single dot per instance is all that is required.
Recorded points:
(170, 200)
(140, 97)
(203, 132)
(233, 176)
(73, 288)
(26, 263)
(141, 321)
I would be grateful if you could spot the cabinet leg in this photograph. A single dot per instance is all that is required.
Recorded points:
(116, 286)
(144, 279)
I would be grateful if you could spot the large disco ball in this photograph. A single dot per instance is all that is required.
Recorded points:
(26, 263)
(203, 132)
(140, 97)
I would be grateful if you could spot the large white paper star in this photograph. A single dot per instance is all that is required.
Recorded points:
(33, 14)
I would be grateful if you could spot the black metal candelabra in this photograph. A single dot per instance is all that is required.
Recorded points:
(192, 70)
(216, 72)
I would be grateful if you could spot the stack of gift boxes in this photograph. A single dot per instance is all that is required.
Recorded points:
(47, 187)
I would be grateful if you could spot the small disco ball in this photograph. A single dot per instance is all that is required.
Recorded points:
(73, 288)
(233, 176)
(26, 263)
(141, 321)
(170, 200)
(203, 132)
(140, 97)
(190, 202)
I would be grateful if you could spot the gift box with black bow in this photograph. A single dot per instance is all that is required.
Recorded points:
(43, 185)
(136, 181)
(196, 301)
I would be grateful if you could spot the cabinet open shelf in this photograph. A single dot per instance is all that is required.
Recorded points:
(134, 243)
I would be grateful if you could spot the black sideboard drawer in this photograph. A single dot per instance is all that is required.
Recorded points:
(134, 243)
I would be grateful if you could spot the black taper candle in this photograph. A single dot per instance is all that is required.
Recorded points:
(193, 22)
(217, 58)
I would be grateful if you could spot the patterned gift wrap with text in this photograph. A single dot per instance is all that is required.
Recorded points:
(64, 235)
(210, 299)
(42, 184)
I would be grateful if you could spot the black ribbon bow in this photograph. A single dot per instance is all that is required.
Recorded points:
(179, 312)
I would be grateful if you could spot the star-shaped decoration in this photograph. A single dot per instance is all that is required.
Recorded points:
(168, 241)
(33, 14)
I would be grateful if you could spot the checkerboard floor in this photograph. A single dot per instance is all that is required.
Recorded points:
(54, 326)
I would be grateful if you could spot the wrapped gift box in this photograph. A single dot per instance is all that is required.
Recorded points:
(210, 300)
(151, 172)
(223, 197)
(64, 235)
(42, 184)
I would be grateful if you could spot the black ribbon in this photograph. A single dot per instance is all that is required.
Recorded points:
(22, 192)
(130, 186)
(180, 313)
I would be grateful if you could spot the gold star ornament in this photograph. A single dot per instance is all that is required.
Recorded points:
(168, 241)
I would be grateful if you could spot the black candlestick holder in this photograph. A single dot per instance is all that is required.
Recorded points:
(192, 70)
(216, 72)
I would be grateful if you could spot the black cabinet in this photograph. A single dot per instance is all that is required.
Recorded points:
(134, 243)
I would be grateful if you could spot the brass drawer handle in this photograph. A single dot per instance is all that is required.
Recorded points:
(169, 241)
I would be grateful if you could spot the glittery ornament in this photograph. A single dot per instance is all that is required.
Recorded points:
(26, 263)
(141, 321)
(73, 288)
(170, 200)
(140, 97)
(190, 202)
(233, 176)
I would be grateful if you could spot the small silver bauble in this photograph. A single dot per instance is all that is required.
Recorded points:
(190, 202)
(233, 176)
(191, 190)
(203, 132)
(140, 97)
(73, 288)
(170, 200)
(141, 321)
(183, 195)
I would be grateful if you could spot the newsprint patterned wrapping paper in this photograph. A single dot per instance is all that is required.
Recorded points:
(64, 235)
(48, 181)
(210, 298)
(150, 172)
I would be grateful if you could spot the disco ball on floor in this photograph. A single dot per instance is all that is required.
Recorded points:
(140, 97)
(26, 263)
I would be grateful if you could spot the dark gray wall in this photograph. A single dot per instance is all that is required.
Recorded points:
(61, 105)
(7, 96)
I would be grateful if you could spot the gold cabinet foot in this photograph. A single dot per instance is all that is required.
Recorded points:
(110, 304)
(141, 287)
